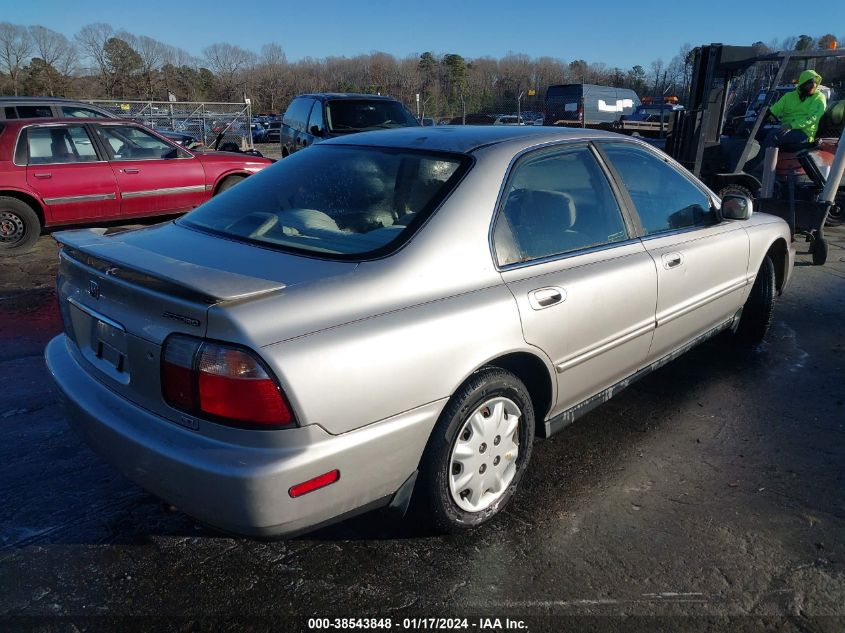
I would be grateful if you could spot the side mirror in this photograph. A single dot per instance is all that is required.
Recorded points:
(316, 131)
(737, 207)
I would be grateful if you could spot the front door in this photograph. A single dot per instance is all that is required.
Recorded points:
(585, 286)
(154, 176)
(65, 168)
(701, 262)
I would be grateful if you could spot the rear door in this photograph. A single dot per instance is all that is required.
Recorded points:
(701, 261)
(585, 285)
(154, 176)
(67, 169)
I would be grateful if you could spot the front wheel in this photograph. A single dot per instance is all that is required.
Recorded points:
(19, 226)
(759, 307)
(478, 452)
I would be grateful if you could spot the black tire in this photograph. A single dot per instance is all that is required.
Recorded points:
(736, 189)
(433, 500)
(228, 183)
(757, 311)
(20, 227)
(819, 251)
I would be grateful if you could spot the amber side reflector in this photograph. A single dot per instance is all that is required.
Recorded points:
(313, 484)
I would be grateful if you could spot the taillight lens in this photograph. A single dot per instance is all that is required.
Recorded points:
(225, 383)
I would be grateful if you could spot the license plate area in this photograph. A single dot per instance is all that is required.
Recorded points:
(101, 340)
(108, 343)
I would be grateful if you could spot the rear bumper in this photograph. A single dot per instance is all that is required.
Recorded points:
(239, 488)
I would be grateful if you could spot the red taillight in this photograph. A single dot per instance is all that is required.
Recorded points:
(177, 372)
(232, 384)
(313, 484)
(222, 382)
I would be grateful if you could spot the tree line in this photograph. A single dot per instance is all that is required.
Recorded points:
(101, 62)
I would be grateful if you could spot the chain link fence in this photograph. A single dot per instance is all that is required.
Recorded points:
(526, 111)
(193, 124)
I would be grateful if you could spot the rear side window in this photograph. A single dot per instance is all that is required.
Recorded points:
(11, 112)
(35, 112)
(56, 145)
(333, 201)
(557, 201)
(296, 115)
(664, 199)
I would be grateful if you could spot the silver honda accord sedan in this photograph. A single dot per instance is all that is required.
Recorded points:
(389, 319)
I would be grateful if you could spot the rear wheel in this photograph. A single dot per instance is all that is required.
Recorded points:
(229, 182)
(759, 307)
(19, 226)
(478, 452)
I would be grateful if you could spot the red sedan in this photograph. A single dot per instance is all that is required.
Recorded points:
(72, 171)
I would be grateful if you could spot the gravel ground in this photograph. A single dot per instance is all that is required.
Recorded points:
(708, 496)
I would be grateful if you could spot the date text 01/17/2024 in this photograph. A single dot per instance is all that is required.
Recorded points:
(417, 624)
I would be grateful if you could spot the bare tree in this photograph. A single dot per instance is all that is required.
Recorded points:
(152, 54)
(228, 62)
(92, 40)
(58, 54)
(15, 48)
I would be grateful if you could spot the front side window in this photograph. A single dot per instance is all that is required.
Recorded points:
(664, 199)
(128, 142)
(54, 144)
(316, 122)
(84, 113)
(556, 202)
(355, 115)
(335, 201)
(296, 115)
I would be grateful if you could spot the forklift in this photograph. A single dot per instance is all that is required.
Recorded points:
(800, 184)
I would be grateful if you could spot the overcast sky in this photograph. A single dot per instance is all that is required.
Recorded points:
(616, 33)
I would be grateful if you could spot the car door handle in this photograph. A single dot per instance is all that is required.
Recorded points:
(131, 170)
(672, 260)
(43, 176)
(546, 297)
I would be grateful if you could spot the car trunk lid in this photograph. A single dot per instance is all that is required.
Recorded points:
(123, 294)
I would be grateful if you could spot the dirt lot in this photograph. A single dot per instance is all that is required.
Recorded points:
(709, 496)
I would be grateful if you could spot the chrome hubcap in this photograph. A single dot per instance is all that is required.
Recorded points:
(11, 227)
(483, 461)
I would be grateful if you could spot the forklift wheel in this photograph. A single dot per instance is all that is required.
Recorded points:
(819, 250)
(736, 189)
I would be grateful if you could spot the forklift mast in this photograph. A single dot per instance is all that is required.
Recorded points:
(699, 126)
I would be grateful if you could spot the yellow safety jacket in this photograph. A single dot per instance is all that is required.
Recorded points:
(801, 115)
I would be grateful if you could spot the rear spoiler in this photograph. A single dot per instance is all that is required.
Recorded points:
(110, 255)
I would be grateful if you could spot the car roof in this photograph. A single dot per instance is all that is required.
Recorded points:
(18, 123)
(467, 138)
(346, 95)
(4, 100)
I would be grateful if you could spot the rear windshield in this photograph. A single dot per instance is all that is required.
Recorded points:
(356, 115)
(340, 202)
